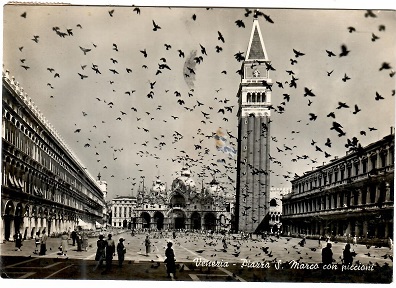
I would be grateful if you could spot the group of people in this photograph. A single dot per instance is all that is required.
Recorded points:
(106, 251)
(81, 238)
(327, 255)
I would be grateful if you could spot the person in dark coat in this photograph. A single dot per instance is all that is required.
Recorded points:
(79, 241)
(170, 261)
(110, 252)
(74, 237)
(100, 251)
(121, 250)
(18, 240)
(327, 255)
(147, 244)
(348, 255)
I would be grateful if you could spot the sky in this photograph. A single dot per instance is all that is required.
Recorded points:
(146, 117)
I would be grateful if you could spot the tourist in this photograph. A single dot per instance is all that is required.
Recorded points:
(121, 250)
(74, 237)
(354, 240)
(18, 240)
(43, 243)
(84, 236)
(37, 242)
(64, 244)
(170, 261)
(327, 255)
(147, 244)
(348, 255)
(100, 251)
(79, 241)
(110, 252)
(224, 243)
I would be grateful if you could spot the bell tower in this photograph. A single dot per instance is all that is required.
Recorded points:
(254, 98)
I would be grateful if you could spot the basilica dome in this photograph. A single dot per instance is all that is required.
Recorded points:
(158, 187)
(214, 189)
(184, 182)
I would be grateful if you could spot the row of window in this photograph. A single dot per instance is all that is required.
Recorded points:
(358, 168)
(343, 199)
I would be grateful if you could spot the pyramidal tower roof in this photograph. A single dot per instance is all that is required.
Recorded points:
(256, 49)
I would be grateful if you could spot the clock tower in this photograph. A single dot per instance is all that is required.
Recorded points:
(253, 175)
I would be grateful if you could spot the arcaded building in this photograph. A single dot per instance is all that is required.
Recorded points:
(351, 196)
(181, 206)
(44, 185)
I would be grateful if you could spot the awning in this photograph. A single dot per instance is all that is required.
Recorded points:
(98, 225)
(82, 223)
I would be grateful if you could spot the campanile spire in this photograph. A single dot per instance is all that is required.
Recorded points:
(254, 98)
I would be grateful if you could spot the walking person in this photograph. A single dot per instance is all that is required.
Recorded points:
(327, 255)
(354, 240)
(64, 244)
(37, 242)
(170, 261)
(79, 241)
(74, 237)
(224, 243)
(18, 240)
(347, 255)
(43, 243)
(147, 244)
(84, 237)
(121, 250)
(110, 252)
(100, 251)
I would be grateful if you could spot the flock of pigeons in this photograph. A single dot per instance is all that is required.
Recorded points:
(194, 149)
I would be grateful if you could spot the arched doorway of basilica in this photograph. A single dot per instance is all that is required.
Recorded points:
(124, 224)
(159, 220)
(210, 221)
(8, 217)
(178, 219)
(195, 220)
(145, 219)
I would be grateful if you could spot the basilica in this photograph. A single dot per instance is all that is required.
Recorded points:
(183, 206)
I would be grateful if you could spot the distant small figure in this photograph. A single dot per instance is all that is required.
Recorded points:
(147, 243)
(224, 243)
(74, 237)
(79, 241)
(37, 242)
(170, 261)
(354, 240)
(327, 255)
(121, 250)
(43, 243)
(18, 240)
(84, 244)
(64, 245)
(347, 255)
(174, 234)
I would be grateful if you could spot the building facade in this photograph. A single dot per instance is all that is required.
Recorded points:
(44, 185)
(275, 209)
(182, 206)
(351, 196)
(253, 165)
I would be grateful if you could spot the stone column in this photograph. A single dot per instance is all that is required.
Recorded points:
(387, 229)
(365, 229)
(360, 192)
(387, 192)
(348, 228)
(357, 229)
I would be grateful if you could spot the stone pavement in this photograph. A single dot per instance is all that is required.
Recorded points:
(242, 260)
